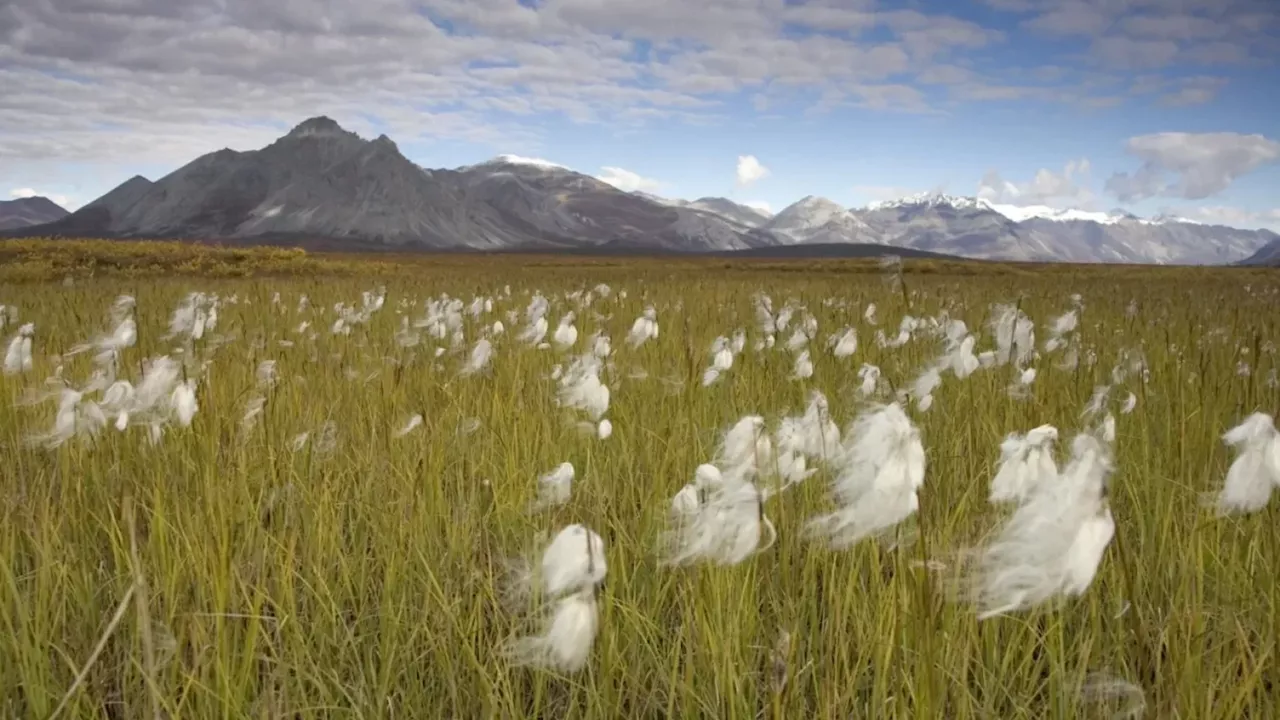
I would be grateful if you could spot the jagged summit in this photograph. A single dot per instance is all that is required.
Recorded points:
(933, 200)
(319, 125)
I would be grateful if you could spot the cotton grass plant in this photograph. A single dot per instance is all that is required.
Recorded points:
(318, 560)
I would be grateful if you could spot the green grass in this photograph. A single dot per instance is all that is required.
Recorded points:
(366, 582)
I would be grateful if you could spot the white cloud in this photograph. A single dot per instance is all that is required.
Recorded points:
(759, 205)
(1202, 164)
(22, 193)
(1067, 189)
(627, 181)
(750, 170)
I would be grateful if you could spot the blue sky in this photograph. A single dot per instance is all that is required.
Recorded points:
(1159, 107)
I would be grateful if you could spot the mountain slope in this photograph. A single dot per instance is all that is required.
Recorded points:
(737, 212)
(559, 207)
(1269, 254)
(321, 182)
(820, 221)
(28, 211)
(959, 226)
(974, 228)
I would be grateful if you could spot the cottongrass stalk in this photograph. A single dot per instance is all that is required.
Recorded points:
(726, 525)
(1256, 470)
(1053, 543)
(1026, 463)
(880, 471)
(573, 567)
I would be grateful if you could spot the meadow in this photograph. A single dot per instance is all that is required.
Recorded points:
(292, 544)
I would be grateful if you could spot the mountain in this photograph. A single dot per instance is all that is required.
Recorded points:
(28, 211)
(323, 184)
(729, 210)
(562, 208)
(957, 225)
(737, 212)
(815, 220)
(974, 228)
(1269, 254)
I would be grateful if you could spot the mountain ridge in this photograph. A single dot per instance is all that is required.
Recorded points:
(326, 183)
(27, 211)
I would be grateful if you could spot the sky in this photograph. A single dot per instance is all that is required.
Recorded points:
(1151, 106)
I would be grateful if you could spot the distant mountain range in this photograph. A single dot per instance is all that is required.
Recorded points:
(321, 185)
(28, 211)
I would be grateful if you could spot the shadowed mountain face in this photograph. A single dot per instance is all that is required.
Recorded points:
(25, 212)
(1268, 255)
(323, 183)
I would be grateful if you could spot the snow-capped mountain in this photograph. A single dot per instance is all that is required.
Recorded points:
(931, 200)
(947, 224)
(974, 227)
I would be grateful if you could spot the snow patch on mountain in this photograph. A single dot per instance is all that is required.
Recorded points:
(529, 161)
(931, 200)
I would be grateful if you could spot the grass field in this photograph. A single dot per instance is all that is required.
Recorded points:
(234, 568)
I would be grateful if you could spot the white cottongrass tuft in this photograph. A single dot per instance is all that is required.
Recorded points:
(566, 334)
(17, 359)
(844, 343)
(803, 368)
(878, 475)
(572, 568)
(1130, 402)
(183, 402)
(413, 423)
(572, 561)
(1014, 334)
(480, 357)
(1053, 543)
(581, 388)
(75, 416)
(725, 529)
(813, 434)
(870, 377)
(1256, 470)
(644, 329)
(1026, 463)
(722, 519)
(555, 487)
